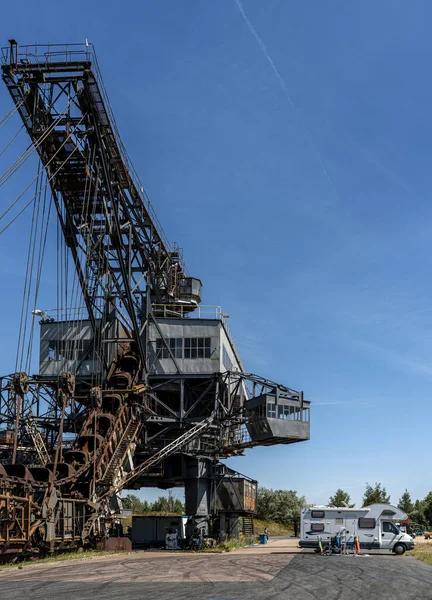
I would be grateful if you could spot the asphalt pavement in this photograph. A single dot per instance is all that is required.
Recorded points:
(273, 572)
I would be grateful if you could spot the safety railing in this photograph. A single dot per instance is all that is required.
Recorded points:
(183, 311)
(44, 54)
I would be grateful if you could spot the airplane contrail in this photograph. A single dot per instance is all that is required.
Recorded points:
(288, 96)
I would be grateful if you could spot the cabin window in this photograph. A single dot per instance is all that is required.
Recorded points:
(288, 412)
(52, 350)
(175, 345)
(317, 527)
(390, 527)
(365, 523)
(339, 521)
(67, 349)
(197, 347)
(271, 411)
(184, 348)
(318, 514)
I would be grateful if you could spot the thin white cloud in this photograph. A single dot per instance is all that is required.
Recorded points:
(394, 359)
(342, 403)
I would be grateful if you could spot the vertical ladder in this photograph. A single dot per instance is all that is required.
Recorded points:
(33, 431)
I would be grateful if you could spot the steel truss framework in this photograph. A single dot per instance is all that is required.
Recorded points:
(68, 446)
(187, 401)
(120, 252)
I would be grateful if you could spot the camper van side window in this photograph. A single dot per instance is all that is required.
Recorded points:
(364, 523)
(318, 514)
(317, 527)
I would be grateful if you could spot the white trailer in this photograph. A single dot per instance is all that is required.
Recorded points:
(374, 525)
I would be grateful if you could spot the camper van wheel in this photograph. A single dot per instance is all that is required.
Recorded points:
(317, 551)
(399, 549)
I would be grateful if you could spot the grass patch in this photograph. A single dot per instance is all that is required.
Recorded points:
(272, 528)
(228, 545)
(423, 550)
(54, 558)
(241, 542)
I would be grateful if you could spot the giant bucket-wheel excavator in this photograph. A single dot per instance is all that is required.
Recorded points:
(138, 385)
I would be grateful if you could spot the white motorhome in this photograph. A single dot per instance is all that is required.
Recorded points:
(374, 525)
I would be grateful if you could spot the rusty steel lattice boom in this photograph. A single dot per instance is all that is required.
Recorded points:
(138, 387)
(119, 249)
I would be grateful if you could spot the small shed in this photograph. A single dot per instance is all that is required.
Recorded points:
(150, 531)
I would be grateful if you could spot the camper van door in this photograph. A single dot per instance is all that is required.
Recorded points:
(350, 528)
(389, 534)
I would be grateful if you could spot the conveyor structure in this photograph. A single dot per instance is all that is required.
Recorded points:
(138, 384)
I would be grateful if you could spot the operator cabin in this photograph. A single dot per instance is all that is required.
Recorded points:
(194, 343)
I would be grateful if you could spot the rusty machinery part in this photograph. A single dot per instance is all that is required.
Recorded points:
(21, 383)
(95, 397)
(55, 494)
(67, 384)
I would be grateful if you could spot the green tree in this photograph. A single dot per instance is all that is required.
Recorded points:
(133, 503)
(405, 503)
(340, 498)
(417, 513)
(418, 517)
(427, 509)
(375, 495)
(160, 505)
(167, 505)
(281, 506)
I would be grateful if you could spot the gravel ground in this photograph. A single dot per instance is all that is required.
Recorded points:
(272, 572)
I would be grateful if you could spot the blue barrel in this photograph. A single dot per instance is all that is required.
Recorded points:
(263, 538)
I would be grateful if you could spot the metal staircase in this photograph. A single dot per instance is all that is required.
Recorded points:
(171, 448)
(119, 455)
(247, 525)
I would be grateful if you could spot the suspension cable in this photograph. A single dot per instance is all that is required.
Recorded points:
(28, 276)
(38, 280)
(12, 139)
(12, 111)
(29, 151)
(32, 199)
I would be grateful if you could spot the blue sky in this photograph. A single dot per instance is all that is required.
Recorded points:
(287, 149)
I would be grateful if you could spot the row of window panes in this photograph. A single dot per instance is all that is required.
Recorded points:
(67, 349)
(290, 413)
(196, 347)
